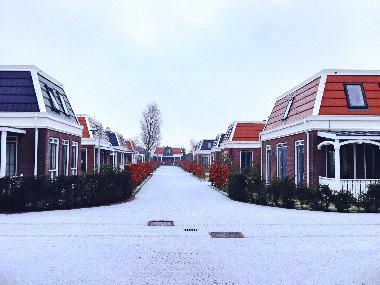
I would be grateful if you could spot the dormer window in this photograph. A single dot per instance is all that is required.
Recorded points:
(355, 96)
(53, 100)
(286, 113)
(63, 102)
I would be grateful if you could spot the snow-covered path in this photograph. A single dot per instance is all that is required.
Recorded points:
(113, 245)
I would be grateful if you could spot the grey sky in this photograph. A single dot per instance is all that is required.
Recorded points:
(206, 63)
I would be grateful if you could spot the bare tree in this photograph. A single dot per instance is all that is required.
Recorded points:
(151, 127)
(194, 145)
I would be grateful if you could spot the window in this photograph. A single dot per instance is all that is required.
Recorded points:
(355, 96)
(11, 156)
(330, 162)
(205, 161)
(83, 160)
(245, 159)
(53, 157)
(209, 145)
(53, 100)
(286, 113)
(282, 160)
(114, 159)
(299, 162)
(268, 162)
(74, 158)
(63, 102)
(65, 157)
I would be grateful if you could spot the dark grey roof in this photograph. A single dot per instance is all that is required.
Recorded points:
(168, 151)
(112, 138)
(17, 92)
(222, 136)
(206, 144)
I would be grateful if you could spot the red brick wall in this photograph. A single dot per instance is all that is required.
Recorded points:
(234, 155)
(316, 158)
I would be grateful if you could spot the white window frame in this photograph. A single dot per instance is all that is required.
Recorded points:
(63, 102)
(13, 139)
(85, 149)
(279, 146)
(297, 143)
(53, 99)
(268, 147)
(74, 162)
(241, 151)
(287, 110)
(54, 172)
(66, 143)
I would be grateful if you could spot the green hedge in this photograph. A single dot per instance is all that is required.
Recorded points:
(284, 193)
(23, 194)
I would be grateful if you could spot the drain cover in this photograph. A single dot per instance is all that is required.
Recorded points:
(226, 235)
(191, 230)
(161, 223)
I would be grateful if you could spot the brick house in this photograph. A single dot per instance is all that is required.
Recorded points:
(242, 144)
(202, 155)
(326, 130)
(168, 155)
(133, 155)
(94, 137)
(216, 150)
(40, 134)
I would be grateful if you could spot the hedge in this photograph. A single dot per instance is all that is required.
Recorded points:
(194, 168)
(284, 193)
(24, 194)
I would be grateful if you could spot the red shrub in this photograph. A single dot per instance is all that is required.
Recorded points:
(196, 169)
(141, 171)
(219, 174)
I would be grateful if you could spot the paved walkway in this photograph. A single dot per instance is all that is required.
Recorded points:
(113, 245)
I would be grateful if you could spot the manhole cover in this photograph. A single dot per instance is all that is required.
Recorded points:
(226, 235)
(191, 230)
(161, 223)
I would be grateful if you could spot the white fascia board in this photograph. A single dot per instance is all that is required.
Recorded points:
(318, 99)
(37, 90)
(232, 132)
(336, 123)
(44, 120)
(333, 136)
(327, 72)
(12, 130)
(242, 144)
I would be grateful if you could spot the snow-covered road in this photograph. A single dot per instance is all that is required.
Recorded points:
(113, 245)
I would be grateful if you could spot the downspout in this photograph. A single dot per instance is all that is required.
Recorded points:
(35, 146)
(308, 156)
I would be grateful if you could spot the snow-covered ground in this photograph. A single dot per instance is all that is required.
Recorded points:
(113, 245)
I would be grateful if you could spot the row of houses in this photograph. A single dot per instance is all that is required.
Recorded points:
(42, 135)
(325, 130)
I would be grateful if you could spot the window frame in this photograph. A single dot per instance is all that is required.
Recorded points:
(287, 110)
(365, 107)
(246, 151)
(11, 140)
(55, 141)
(85, 150)
(65, 172)
(74, 162)
(55, 106)
(63, 103)
(278, 147)
(297, 144)
(268, 163)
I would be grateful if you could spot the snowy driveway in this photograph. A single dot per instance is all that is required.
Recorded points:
(113, 245)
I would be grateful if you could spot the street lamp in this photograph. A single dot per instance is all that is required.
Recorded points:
(98, 129)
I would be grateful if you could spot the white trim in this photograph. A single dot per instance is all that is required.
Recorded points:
(329, 135)
(320, 90)
(338, 122)
(45, 121)
(297, 143)
(53, 140)
(66, 143)
(329, 72)
(242, 144)
(12, 130)
(268, 147)
(37, 90)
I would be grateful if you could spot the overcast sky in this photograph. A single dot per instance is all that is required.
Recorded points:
(206, 63)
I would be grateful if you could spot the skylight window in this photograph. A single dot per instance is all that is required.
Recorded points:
(286, 113)
(355, 96)
(53, 100)
(63, 102)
